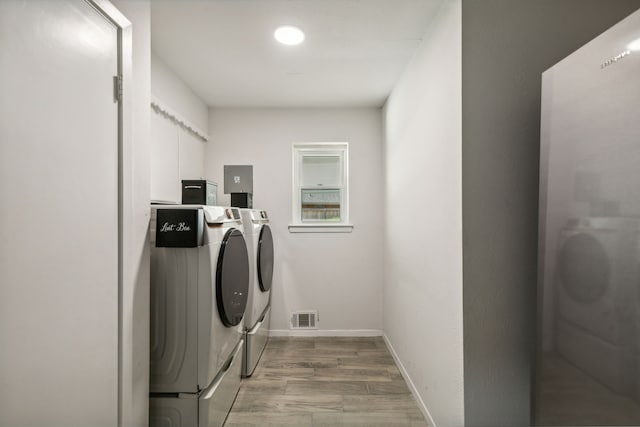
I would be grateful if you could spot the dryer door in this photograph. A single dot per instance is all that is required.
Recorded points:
(584, 268)
(232, 278)
(265, 258)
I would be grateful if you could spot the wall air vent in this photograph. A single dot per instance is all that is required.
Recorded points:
(304, 319)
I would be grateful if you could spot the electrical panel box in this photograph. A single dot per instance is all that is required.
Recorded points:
(238, 179)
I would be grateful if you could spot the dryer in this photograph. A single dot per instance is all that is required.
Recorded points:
(596, 279)
(260, 247)
(199, 287)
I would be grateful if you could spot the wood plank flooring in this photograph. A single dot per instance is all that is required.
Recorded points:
(321, 382)
(568, 396)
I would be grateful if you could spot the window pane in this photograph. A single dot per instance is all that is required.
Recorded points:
(321, 170)
(321, 205)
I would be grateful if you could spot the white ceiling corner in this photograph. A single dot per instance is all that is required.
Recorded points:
(354, 51)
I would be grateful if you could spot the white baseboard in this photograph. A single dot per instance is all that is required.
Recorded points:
(325, 333)
(412, 387)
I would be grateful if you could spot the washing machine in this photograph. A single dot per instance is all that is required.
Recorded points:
(260, 247)
(596, 280)
(199, 290)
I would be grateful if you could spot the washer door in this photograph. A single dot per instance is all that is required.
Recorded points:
(265, 258)
(585, 268)
(232, 278)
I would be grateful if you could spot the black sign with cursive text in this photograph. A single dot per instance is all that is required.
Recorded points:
(179, 228)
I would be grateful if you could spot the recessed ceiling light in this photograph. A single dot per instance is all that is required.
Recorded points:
(289, 35)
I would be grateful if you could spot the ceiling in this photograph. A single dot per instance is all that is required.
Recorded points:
(354, 52)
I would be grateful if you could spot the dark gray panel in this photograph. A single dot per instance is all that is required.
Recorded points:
(238, 179)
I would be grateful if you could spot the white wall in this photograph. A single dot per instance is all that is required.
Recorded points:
(338, 274)
(176, 153)
(134, 363)
(167, 86)
(423, 245)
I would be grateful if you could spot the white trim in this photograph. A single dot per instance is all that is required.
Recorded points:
(326, 333)
(320, 228)
(412, 387)
(125, 142)
(126, 209)
(161, 108)
(111, 12)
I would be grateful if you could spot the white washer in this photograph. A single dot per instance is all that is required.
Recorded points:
(258, 313)
(596, 279)
(199, 287)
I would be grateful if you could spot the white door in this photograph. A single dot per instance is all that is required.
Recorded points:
(58, 215)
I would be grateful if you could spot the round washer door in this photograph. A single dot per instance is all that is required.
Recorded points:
(585, 268)
(232, 278)
(265, 258)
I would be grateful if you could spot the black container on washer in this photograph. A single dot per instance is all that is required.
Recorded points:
(242, 200)
(199, 192)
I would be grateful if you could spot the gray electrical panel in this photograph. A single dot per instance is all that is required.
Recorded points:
(238, 179)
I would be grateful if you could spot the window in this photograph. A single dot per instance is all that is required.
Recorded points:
(320, 187)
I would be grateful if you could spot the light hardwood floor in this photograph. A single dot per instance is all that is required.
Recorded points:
(325, 382)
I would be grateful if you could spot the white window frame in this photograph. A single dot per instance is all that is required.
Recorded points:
(301, 150)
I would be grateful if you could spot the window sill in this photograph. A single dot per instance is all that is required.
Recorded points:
(320, 228)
